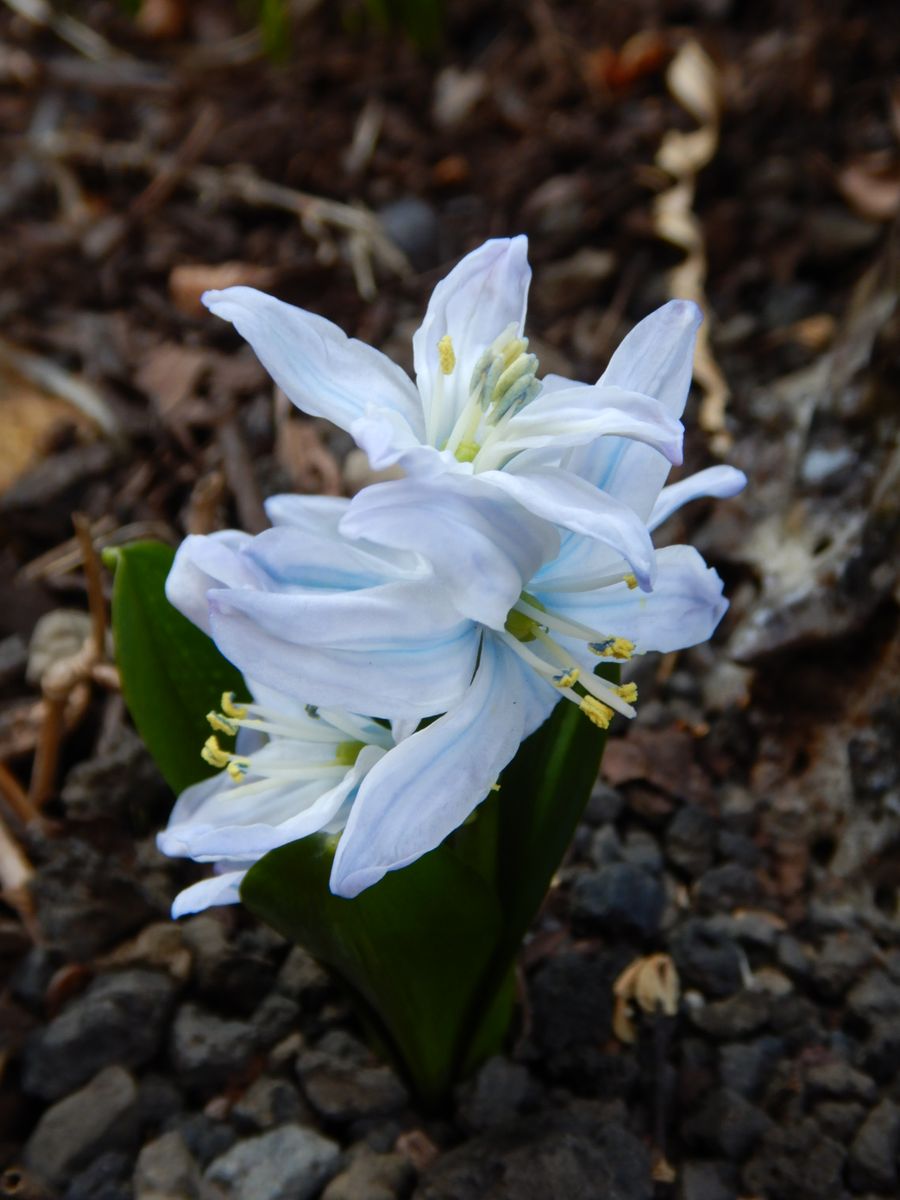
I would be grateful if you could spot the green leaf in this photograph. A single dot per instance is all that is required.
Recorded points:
(172, 674)
(543, 793)
(415, 950)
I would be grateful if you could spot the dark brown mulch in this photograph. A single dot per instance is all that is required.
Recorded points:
(750, 825)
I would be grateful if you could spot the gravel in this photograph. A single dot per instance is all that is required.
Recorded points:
(289, 1163)
(121, 1018)
(100, 1116)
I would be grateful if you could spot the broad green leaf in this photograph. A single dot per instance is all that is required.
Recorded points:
(543, 793)
(172, 674)
(416, 949)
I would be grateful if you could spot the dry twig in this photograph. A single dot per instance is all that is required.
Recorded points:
(16, 797)
(64, 678)
(241, 183)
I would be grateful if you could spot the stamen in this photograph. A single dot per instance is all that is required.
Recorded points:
(597, 712)
(613, 647)
(563, 625)
(631, 582)
(222, 724)
(568, 679)
(446, 355)
(230, 709)
(213, 753)
(628, 692)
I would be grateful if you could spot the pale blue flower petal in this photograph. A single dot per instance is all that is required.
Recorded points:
(683, 609)
(387, 439)
(655, 358)
(721, 481)
(579, 415)
(204, 562)
(386, 651)
(427, 786)
(484, 293)
(313, 514)
(218, 889)
(325, 373)
(189, 803)
(234, 828)
(287, 558)
(575, 504)
(480, 543)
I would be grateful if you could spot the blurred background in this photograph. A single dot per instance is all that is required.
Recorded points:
(343, 156)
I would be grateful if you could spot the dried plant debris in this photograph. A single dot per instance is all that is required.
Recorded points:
(824, 513)
(719, 960)
(693, 80)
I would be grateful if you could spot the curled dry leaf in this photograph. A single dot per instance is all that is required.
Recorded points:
(693, 79)
(652, 984)
(189, 281)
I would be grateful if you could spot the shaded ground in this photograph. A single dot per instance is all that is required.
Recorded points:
(749, 825)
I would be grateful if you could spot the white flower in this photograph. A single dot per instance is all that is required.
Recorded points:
(287, 624)
(481, 438)
(439, 518)
(295, 771)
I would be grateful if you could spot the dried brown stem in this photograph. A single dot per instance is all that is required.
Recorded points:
(94, 576)
(16, 796)
(46, 755)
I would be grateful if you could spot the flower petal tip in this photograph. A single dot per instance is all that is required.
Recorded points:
(683, 314)
(210, 298)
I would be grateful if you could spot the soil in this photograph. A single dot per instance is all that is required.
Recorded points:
(745, 837)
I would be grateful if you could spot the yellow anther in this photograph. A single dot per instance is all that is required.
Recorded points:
(613, 647)
(446, 355)
(621, 648)
(568, 679)
(631, 582)
(236, 771)
(222, 724)
(511, 352)
(597, 712)
(516, 369)
(213, 753)
(230, 709)
(628, 692)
